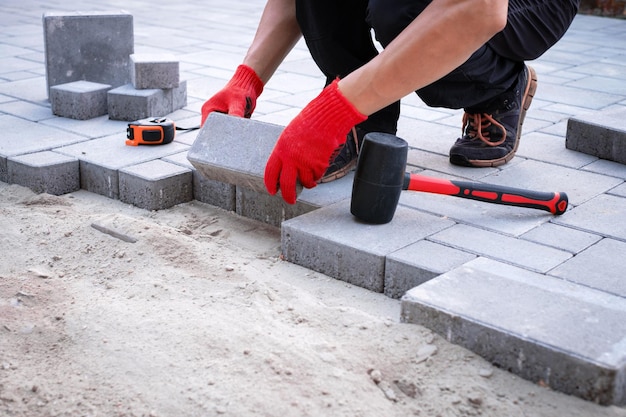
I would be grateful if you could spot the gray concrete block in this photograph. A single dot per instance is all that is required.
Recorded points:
(512, 318)
(271, 210)
(79, 100)
(154, 71)
(602, 134)
(207, 191)
(560, 237)
(102, 158)
(267, 209)
(420, 262)
(332, 241)
(45, 172)
(606, 256)
(155, 185)
(598, 216)
(130, 104)
(234, 150)
(92, 46)
(525, 254)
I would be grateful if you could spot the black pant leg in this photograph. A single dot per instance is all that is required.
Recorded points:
(533, 27)
(340, 41)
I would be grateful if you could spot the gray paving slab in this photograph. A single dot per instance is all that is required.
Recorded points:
(88, 45)
(511, 317)
(608, 256)
(208, 191)
(102, 158)
(215, 155)
(602, 134)
(602, 215)
(154, 71)
(332, 241)
(564, 238)
(45, 172)
(80, 100)
(525, 254)
(419, 262)
(155, 185)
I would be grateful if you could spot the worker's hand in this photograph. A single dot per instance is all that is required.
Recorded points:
(238, 97)
(304, 148)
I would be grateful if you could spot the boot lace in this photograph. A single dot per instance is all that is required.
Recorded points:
(478, 126)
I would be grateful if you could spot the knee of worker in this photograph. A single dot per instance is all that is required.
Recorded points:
(389, 17)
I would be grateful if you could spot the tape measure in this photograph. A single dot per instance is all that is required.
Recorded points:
(150, 131)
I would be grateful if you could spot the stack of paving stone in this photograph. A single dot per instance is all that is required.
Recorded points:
(91, 69)
(155, 89)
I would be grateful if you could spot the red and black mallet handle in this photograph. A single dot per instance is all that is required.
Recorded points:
(554, 202)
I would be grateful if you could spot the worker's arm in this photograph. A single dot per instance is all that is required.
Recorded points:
(439, 40)
(276, 35)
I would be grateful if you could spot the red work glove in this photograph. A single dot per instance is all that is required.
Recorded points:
(238, 97)
(304, 148)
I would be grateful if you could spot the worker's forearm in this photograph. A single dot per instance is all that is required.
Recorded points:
(439, 40)
(276, 35)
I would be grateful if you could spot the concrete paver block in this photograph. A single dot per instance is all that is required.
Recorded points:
(509, 316)
(234, 150)
(130, 104)
(266, 208)
(332, 241)
(598, 215)
(207, 191)
(607, 256)
(602, 134)
(102, 158)
(155, 185)
(154, 71)
(417, 263)
(92, 46)
(45, 172)
(79, 100)
(526, 254)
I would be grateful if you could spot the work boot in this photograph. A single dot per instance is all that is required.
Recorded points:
(344, 159)
(491, 135)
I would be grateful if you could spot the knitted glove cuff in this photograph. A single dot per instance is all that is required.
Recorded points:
(246, 77)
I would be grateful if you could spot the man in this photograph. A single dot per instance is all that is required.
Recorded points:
(454, 53)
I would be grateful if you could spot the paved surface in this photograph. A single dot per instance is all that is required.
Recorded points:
(539, 295)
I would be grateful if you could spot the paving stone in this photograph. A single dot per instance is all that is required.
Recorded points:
(266, 208)
(130, 104)
(521, 327)
(601, 267)
(551, 148)
(21, 137)
(155, 185)
(602, 134)
(102, 158)
(93, 46)
(560, 237)
(525, 254)
(417, 263)
(80, 100)
(332, 241)
(599, 215)
(45, 172)
(154, 71)
(234, 150)
(212, 192)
